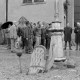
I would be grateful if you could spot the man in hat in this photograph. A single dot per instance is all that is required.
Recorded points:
(67, 36)
(28, 35)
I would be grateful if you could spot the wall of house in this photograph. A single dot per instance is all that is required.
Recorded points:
(2, 10)
(34, 13)
(71, 18)
(71, 13)
(77, 10)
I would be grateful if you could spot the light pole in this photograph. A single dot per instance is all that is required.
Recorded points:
(6, 10)
(66, 12)
(6, 19)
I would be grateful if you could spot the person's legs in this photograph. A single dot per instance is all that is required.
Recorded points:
(65, 45)
(43, 42)
(26, 46)
(34, 43)
(70, 45)
(23, 42)
(76, 46)
(9, 43)
(12, 45)
(38, 40)
(47, 43)
(30, 46)
(79, 46)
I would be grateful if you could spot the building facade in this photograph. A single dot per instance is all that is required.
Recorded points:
(2, 10)
(36, 10)
(33, 10)
(77, 10)
(71, 13)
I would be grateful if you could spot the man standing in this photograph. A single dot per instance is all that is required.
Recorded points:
(30, 37)
(13, 36)
(8, 37)
(38, 34)
(67, 36)
(77, 35)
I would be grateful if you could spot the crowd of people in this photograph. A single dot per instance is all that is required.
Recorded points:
(68, 36)
(28, 34)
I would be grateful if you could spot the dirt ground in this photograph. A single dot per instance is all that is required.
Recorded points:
(10, 69)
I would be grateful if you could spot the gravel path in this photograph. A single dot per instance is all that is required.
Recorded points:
(9, 68)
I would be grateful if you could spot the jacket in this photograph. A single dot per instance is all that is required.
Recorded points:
(13, 31)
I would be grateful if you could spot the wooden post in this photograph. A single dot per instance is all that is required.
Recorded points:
(6, 10)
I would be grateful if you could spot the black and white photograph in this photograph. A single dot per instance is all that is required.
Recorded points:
(39, 39)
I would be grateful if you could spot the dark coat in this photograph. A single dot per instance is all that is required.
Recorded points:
(30, 32)
(43, 33)
(26, 32)
(20, 32)
(38, 31)
(77, 35)
(67, 33)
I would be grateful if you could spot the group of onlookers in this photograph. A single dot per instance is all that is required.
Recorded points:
(30, 35)
(68, 33)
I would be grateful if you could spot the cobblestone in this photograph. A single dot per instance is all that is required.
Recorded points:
(9, 68)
